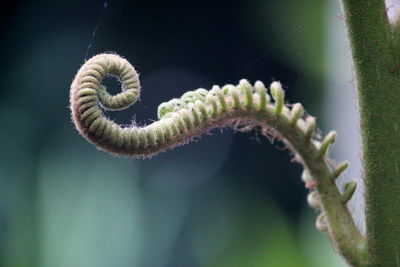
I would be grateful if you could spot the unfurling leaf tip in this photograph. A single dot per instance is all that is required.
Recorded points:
(278, 95)
(328, 140)
(348, 191)
(339, 169)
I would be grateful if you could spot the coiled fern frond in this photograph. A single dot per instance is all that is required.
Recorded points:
(196, 112)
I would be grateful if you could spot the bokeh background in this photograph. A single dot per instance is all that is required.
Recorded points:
(229, 199)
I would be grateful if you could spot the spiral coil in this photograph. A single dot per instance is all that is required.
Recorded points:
(196, 112)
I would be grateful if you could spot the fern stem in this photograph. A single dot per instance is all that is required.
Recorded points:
(376, 62)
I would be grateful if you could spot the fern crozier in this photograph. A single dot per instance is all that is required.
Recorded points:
(242, 107)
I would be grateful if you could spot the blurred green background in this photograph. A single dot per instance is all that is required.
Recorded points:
(226, 200)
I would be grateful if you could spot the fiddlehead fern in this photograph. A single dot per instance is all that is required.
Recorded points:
(196, 112)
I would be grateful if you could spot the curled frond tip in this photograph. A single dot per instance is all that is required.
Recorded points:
(180, 119)
(241, 106)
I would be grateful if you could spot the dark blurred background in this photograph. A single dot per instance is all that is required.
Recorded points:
(229, 199)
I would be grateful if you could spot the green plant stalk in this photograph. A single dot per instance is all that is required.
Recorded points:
(377, 68)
